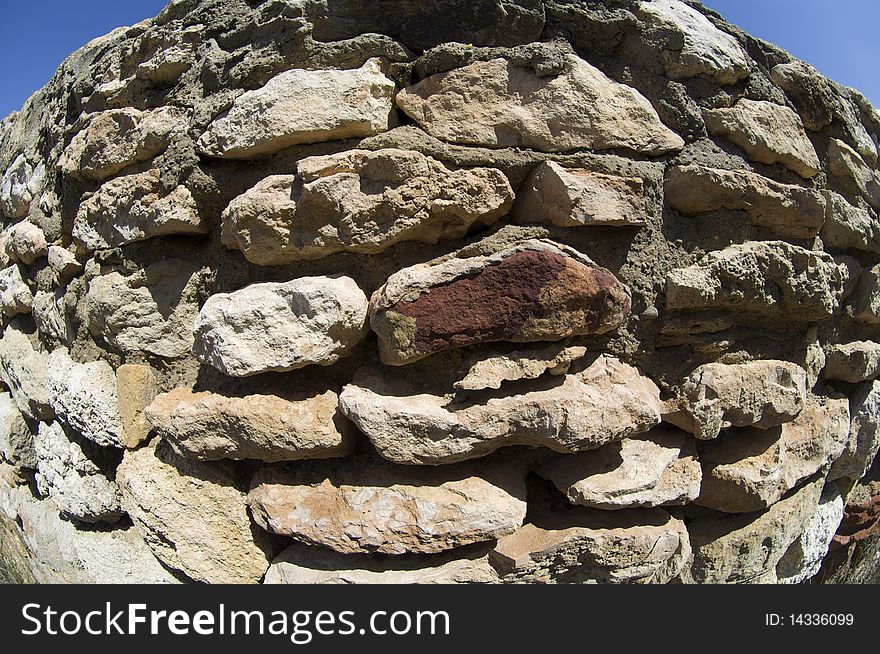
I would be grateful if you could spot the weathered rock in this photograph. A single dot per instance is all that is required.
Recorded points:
(853, 362)
(659, 468)
(498, 104)
(83, 395)
(151, 310)
(302, 564)
(535, 290)
(18, 186)
(192, 516)
(361, 201)
(769, 278)
(58, 551)
(591, 546)
(303, 106)
(782, 208)
(804, 558)
(281, 325)
(848, 227)
(716, 396)
(16, 438)
(114, 140)
(26, 243)
(607, 402)
(574, 197)
(23, 370)
(69, 473)
(864, 433)
(166, 66)
(865, 300)
(768, 133)
(491, 370)
(136, 387)
(750, 469)
(365, 506)
(704, 49)
(746, 548)
(812, 93)
(63, 262)
(134, 208)
(843, 161)
(50, 316)
(15, 296)
(208, 426)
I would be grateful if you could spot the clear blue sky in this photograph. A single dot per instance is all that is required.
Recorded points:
(843, 42)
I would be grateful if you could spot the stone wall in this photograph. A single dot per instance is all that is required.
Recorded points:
(497, 291)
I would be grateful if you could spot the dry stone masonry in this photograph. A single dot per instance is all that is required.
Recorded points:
(481, 291)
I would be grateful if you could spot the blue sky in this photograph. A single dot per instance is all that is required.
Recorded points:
(36, 35)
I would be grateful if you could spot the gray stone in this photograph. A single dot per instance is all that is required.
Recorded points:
(83, 395)
(26, 243)
(852, 362)
(804, 557)
(864, 433)
(150, 311)
(303, 106)
(69, 473)
(23, 370)
(15, 296)
(848, 227)
(704, 49)
(281, 325)
(16, 437)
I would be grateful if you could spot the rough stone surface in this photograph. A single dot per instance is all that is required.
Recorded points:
(192, 515)
(533, 291)
(18, 186)
(750, 469)
(803, 559)
(853, 362)
(209, 426)
(83, 395)
(150, 311)
(770, 278)
(746, 548)
(769, 133)
(784, 209)
(134, 208)
(587, 545)
(136, 387)
(864, 433)
(659, 468)
(15, 296)
(26, 243)
(71, 474)
(572, 197)
(23, 370)
(302, 564)
(492, 370)
(606, 402)
(116, 139)
(55, 550)
(865, 300)
(498, 104)
(703, 50)
(63, 262)
(716, 396)
(361, 201)
(845, 162)
(352, 508)
(16, 437)
(281, 325)
(848, 227)
(303, 106)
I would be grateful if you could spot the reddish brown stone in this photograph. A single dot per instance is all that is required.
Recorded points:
(860, 520)
(530, 295)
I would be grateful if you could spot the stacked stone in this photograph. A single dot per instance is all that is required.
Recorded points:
(592, 299)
